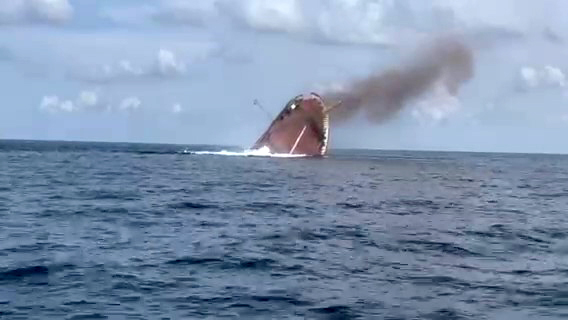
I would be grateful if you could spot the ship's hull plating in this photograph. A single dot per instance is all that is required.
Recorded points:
(302, 127)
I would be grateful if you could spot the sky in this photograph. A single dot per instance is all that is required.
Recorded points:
(188, 71)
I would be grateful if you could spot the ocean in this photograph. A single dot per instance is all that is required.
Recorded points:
(142, 231)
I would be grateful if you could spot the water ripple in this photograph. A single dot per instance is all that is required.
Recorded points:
(129, 231)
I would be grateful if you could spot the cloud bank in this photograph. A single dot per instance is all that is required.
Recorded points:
(165, 66)
(88, 101)
(35, 11)
(94, 101)
(367, 22)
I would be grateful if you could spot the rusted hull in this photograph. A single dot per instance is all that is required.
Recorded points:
(302, 127)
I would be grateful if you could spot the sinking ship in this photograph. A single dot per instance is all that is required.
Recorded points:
(301, 128)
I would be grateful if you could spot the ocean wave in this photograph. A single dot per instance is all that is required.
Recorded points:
(95, 231)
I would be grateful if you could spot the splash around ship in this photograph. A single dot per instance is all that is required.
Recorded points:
(301, 128)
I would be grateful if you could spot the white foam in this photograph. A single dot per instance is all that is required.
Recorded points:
(262, 152)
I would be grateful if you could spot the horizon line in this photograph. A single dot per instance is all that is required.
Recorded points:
(238, 146)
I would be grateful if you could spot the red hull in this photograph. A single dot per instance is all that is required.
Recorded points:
(302, 127)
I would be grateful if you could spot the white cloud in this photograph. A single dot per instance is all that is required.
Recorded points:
(545, 77)
(87, 101)
(330, 87)
(130, 103)
(266, 15)
(361, 22)
(35, 11)
(530, 76)
(342, 21)
(165, 65)
(554, 76)
(54, 104)
(168, 64)
(177, 108)
(438, 105)
(505, 14)
(126, 67)
(338, 21)
(388, 22)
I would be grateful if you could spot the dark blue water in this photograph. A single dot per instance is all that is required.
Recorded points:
(125, 231)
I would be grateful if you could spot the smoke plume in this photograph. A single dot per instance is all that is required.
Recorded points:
(382, 95)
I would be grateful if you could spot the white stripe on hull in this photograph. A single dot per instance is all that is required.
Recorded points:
(298, 140)
(325, 133)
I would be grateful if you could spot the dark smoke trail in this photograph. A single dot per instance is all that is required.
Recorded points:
(382, 95)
